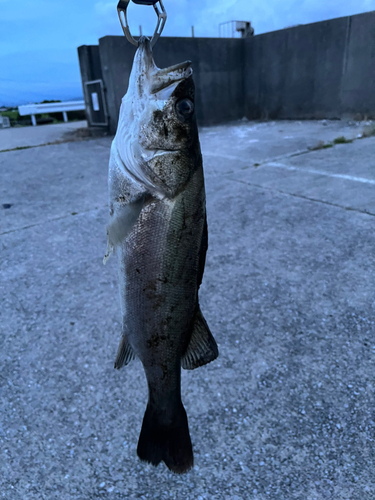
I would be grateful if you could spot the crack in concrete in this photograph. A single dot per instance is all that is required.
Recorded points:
(53, 143)
(301, 196)
(260, 162)
(53, 219)
(19, 148)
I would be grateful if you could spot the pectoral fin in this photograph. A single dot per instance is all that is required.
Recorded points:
(202, 348)
(121, 223)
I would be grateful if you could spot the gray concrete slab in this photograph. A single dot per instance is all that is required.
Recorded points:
(249, 143)
(346, 190)
(20, 137)
(70, 179)
(287, 410)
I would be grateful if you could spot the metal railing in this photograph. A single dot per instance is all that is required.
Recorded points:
(51, 107)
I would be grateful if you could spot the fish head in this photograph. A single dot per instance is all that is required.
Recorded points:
(157, 136)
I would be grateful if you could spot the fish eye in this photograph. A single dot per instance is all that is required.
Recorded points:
(184, 108)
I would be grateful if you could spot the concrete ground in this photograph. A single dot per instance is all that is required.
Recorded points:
(20, 137)
(287, 410)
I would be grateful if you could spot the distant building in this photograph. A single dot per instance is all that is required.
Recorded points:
(236, 29)
(245, 28)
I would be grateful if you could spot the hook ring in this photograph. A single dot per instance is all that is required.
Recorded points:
(160, 12)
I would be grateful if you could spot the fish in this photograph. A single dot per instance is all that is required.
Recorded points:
(158, 229)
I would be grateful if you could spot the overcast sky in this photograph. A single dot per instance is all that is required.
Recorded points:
(39, 38)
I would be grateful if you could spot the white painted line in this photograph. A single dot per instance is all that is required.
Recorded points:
(249, 162)
(320, 172)
(287, 167)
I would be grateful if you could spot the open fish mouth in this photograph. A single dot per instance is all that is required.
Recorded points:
(167, 77)
(154, 79)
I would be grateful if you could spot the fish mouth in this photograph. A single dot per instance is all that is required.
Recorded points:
(159, 79)
(166, 77)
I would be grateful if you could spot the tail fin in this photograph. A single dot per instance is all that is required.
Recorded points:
(169, 442)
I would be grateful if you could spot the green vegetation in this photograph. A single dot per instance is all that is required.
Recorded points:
(342, 140)
(321, 145)
(11, 113)
(16, 149)
(326, 145)
(16, 120)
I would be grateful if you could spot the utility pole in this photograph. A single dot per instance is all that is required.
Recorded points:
(192, 32)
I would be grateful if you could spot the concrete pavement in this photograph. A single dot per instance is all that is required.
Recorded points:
(21, 137)
(287, 410)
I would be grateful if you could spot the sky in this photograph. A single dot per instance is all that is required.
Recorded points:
(39, 38)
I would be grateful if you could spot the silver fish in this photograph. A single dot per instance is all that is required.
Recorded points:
(159, 230)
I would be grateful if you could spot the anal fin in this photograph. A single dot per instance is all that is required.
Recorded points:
(202, 348)
(125, 353)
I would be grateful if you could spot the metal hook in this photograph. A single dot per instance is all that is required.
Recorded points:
(162, 18)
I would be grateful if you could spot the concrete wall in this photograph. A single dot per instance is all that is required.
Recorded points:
(217, 66)
(320, 70)
(357, 91)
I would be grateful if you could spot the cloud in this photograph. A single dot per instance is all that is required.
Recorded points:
(36, 75)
